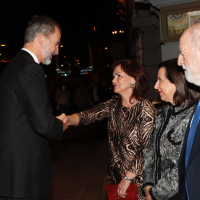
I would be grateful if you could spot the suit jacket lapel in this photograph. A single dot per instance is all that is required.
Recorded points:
(28, 56)
(183, 150)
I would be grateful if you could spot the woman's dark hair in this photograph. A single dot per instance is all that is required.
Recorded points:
(184, 90)
(134, 69)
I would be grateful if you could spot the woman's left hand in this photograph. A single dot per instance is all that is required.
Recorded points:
(122, 187)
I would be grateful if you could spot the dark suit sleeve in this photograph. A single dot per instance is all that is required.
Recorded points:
(31, 93)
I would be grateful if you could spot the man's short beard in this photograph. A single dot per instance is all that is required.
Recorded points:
(46, 54)
(47, 60)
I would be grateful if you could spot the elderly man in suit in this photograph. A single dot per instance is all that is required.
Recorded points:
(189, 161)
(26, 120)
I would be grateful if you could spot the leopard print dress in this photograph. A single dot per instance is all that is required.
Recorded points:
(129, 129)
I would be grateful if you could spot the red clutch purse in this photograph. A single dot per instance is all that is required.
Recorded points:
(113, 195)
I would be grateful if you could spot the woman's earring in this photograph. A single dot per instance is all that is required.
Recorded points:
(132, 85)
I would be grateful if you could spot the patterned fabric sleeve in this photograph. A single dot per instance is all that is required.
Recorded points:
(147, 118)
(97, 113)
(149, 163)
(166, 187)
(149, 156)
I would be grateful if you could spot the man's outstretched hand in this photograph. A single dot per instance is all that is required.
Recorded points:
(63, 118)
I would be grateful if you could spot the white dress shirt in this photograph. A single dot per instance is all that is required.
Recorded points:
(32, 54)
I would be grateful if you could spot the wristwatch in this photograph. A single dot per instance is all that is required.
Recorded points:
(127, 178)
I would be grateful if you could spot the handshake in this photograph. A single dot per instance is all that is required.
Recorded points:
(69, 120)
(65, 120)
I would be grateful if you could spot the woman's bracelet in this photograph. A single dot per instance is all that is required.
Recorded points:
(128, 178)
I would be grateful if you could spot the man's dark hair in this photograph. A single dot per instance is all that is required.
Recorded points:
(40, 24)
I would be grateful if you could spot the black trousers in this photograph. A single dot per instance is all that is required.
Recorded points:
(8, 198)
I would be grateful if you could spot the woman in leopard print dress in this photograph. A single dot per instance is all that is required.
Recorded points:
(130, 121)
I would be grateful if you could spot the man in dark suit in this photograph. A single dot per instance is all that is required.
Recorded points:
(26, 120)
(189, 161)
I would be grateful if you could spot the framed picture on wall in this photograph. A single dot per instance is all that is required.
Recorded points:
(175, 19)
(194, 17)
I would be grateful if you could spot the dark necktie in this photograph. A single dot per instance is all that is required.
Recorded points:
(190, 139)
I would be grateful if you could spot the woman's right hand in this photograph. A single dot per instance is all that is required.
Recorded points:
(72, 120)
(147, 195)
(122, 187)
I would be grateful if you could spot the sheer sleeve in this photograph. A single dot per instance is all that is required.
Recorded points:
(97, 113)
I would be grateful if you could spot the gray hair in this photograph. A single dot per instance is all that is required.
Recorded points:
(40, 24)
(195, 36)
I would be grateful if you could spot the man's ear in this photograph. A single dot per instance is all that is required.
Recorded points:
(41, 39)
